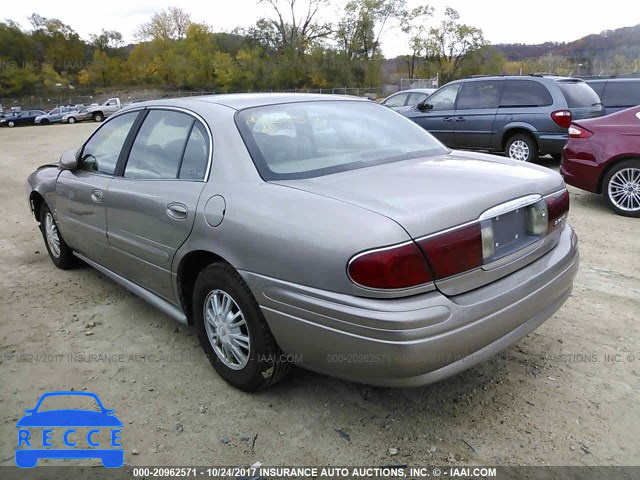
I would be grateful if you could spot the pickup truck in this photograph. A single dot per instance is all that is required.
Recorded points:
(100, 112)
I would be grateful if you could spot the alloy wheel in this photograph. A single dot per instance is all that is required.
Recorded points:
(51, 231)
(624, 189)
(227, 329)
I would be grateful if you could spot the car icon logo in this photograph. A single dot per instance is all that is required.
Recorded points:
(62, 433)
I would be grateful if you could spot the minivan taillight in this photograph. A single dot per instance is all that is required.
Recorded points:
(558, 208)
(562, 118)
(454, 251)
(579, 132)
(402, 266)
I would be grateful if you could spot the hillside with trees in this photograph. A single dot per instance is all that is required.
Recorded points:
(291, 48)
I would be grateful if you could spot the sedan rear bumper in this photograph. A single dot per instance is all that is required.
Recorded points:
(580, 167)
(415, 340)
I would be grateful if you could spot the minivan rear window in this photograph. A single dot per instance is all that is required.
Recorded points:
(579, 94)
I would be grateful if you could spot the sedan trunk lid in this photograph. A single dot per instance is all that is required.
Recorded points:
(432, 194)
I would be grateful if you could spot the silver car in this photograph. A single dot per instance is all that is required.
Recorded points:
(324, 231)
(407, 99)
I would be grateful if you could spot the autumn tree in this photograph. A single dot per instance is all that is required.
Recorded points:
(169, 24)
(450, 42)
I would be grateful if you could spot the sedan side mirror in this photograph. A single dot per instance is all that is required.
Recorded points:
(68, 160)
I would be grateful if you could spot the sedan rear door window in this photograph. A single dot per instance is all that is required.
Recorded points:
(396, 100)
(159, 146)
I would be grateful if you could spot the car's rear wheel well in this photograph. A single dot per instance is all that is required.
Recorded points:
(515, 131)
(36, 201)
(190, 266)
(606, 170)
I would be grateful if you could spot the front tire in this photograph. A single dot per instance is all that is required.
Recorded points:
(59, 252)
(72, 120)
(621, 188)
(11, 124)
(233, 331)
(522, 147)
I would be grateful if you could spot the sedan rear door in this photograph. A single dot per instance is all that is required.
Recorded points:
(153, 198)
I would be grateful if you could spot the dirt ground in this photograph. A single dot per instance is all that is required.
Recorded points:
(568, 394)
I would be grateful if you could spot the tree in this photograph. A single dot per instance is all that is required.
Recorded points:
(58, 44)
(108, 40)
(169, 24)
(414, 25)
(293, 28)
(358, 35)
(450, 42)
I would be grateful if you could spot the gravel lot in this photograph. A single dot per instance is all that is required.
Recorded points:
(568, 394)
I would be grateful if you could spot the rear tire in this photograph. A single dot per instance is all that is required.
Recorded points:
(71, 120)
(621, 188)
(233, 331)
(59, 252)
(522, 147)
(98, 117)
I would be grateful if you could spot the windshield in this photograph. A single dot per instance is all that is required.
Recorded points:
(579, 94)
(311, 139)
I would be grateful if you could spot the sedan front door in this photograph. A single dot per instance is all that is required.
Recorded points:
(152, 201)
(80, 194)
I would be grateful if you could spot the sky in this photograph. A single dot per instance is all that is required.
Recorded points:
(501, 21)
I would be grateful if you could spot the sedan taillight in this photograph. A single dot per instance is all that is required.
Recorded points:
(558, 208)
(454, 251)
(579, 132)
(402, 266)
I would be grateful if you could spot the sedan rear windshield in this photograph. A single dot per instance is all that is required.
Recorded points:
(311, 139)
(579, 94)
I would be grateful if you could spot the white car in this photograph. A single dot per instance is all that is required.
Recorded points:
(407, 98)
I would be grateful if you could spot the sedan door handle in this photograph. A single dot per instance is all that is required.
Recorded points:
(460, 119)
(177, 211)
(448, 119)
(96, 196)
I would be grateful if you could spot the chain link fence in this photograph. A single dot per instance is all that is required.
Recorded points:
(42, 101)
(409, 83)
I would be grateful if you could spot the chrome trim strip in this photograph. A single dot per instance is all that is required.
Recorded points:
(510, 206)
(158, 302)
(556, 193)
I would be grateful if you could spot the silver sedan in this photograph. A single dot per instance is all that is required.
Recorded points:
(324, 231)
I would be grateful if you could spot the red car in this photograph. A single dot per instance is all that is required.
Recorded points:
(603, 156)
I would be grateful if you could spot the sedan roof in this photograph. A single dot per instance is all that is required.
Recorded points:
(240, 101)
